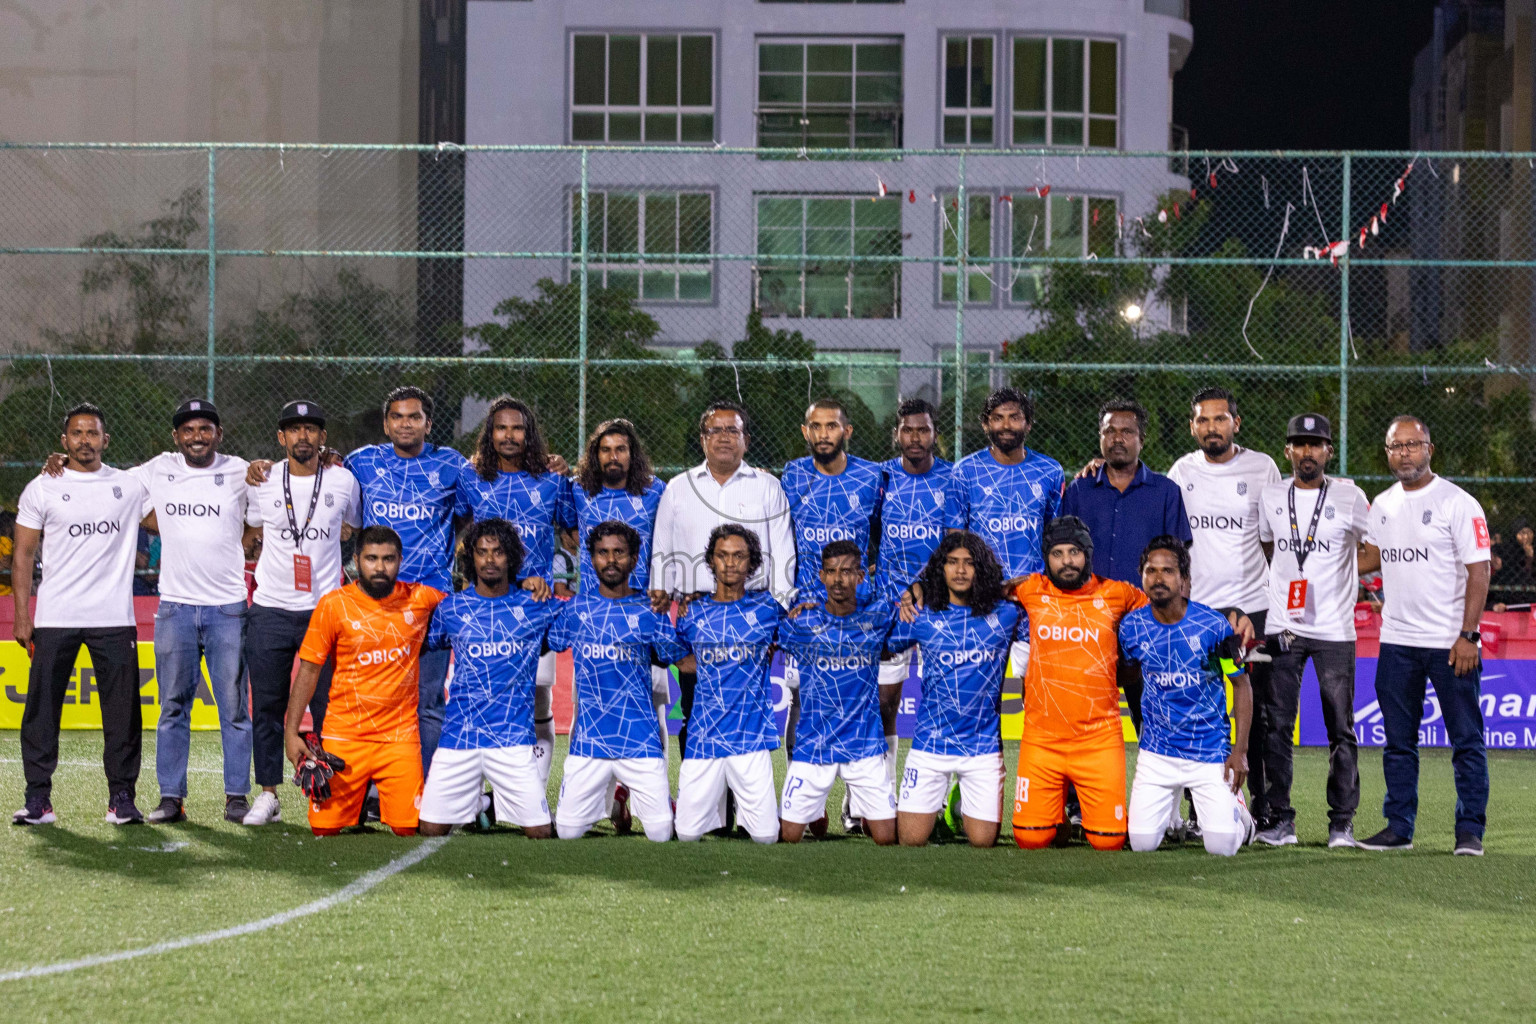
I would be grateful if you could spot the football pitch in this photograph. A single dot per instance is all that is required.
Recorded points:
(494, 926)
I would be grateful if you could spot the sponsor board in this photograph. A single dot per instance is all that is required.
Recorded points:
(82, 709)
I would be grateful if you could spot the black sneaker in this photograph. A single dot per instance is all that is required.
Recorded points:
(236, 807)
(37, 812)
(1468, 845)
(168, 812)
(121, 810)
(1386, 839)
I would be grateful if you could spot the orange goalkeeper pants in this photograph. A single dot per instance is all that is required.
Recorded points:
(1095, 765)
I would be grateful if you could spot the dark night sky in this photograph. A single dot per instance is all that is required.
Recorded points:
(1300, 74)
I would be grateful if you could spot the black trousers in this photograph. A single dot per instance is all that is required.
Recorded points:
(272, 640)
(1334, 663)
(114, 678)
(686, 682)
(1128, 675)
(1258, 729)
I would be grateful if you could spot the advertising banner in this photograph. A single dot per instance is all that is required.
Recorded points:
(81, 710)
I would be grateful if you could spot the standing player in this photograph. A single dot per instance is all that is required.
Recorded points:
(1007, 493)
(614, 638)
(964, 632)
(835, 645)
(86, 523)
(374, 629)
(1312, 527)
(1185, 648)
(302, 512)
(517, 480)
(497, 634)
(731, 732)
(1222, 484)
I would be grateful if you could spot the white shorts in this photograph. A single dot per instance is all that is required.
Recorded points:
(925, 784)
(895, 671)
(661, 685)
(791, 676)
(701, 785)
(456, 780)
(1018, 656)
(1160, 783)
(806, 787)
(585, 787)
(544, 678)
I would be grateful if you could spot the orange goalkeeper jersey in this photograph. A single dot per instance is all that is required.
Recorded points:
(1069, 687)
(378, 649)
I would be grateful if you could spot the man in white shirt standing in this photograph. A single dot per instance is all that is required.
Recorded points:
(1431, 542)
(86, 522)
(1312, 526)
(723, 489)
(303, 511)
(1222, 483)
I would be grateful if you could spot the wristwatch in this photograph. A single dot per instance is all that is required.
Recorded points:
(1471, 636)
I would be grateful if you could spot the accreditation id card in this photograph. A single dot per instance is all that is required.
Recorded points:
(302, 576)
(1296, 600)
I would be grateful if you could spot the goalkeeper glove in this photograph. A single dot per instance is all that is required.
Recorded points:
(314, 772)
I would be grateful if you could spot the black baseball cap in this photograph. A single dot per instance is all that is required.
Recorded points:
(194, 409)
(1309, 426)
(301, 411)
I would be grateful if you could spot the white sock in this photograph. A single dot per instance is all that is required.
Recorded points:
(892, 742)
(544, 739)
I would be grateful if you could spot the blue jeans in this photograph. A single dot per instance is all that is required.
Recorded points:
(186, 634)
(429, 712)
(1400, 676)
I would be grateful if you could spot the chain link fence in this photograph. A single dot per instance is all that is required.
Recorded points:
(644, 282)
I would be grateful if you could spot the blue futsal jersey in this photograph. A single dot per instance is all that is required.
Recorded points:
(612, 644)
(1007, 505)
(534, 505)
(838, 658)
(417, 498)
(496, 645)
(911, 519)
(964, 656)
(636, 510)
(1184, 704)
(827, 508)
(732, 642)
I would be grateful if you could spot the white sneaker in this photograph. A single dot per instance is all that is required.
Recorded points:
(264, 811)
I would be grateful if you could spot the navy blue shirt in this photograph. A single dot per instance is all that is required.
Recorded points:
(1123, 524)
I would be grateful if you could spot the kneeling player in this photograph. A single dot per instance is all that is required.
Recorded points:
(1185, 649)
(374, 627)
(731, 731)
(964, 632)
(614, 638)
(836, 645)
(497, 635)
(1071, 703)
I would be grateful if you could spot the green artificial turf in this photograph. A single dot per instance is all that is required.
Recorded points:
(497, 927)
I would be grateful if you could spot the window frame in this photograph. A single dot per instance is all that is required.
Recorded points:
(852, 108)
(605, 110)
(1015, 271)
(598, 270)
(804, 259)
(1050, 113)
(944, 266)
(968, 112)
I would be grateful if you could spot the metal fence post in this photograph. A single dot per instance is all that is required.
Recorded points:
(581, 343)
(1344, 331)
(961, 285)
(213, 274)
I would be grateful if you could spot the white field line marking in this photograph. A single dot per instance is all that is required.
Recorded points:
(340, 896)
(97, 764)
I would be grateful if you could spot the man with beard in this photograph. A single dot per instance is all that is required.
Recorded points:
(1006, 493)
(519, 481)
(374, 629)
(1185, 649)
(1312, 527)
(1222, 484)
(197, 503)
(1431, 541)
(302, 512)
(832, 496)
(1072, 731)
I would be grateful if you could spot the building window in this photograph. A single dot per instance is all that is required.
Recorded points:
(1067, 226)
(805, 245)
(642, 88)
(878, 387)
(653, 245)
(1066, 92)
(978, 245)
(969, 107)
(829, 95)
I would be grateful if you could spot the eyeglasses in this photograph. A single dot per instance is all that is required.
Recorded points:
(723, 432)
(1410, 447)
